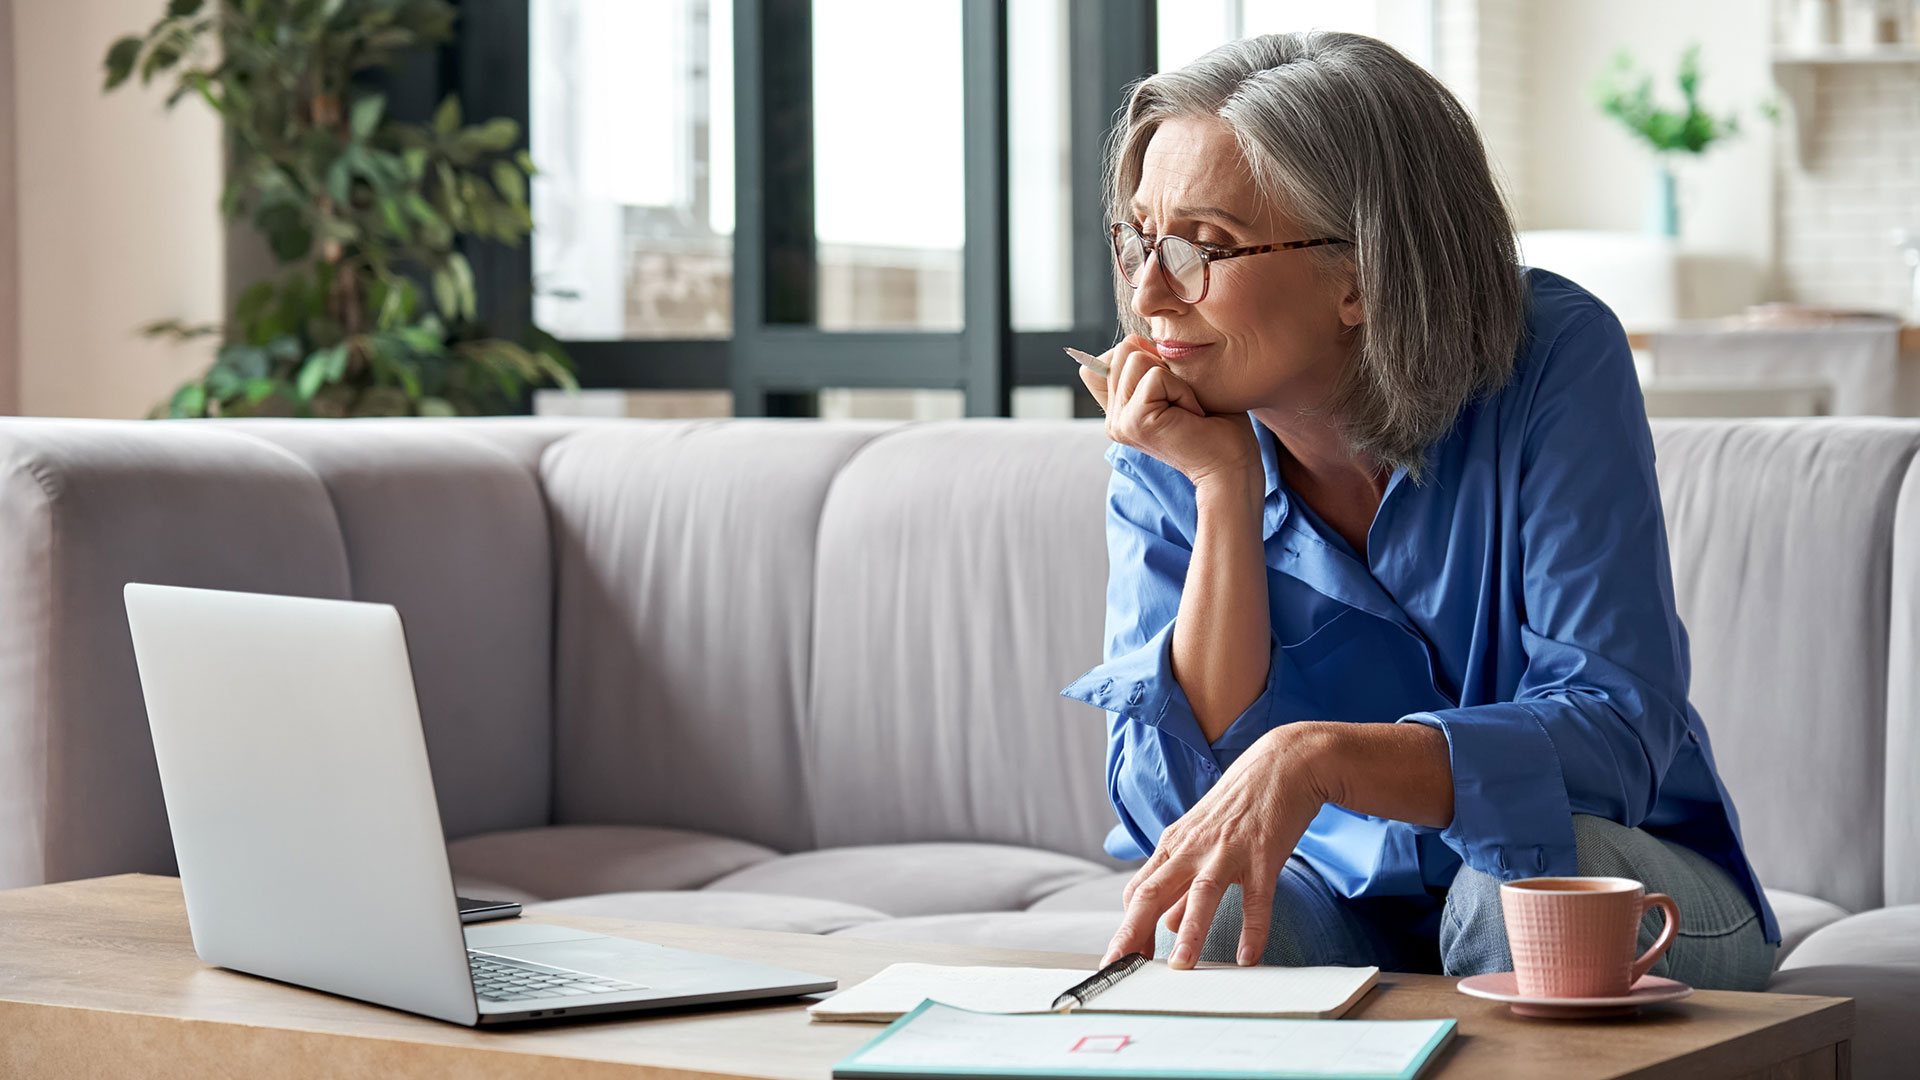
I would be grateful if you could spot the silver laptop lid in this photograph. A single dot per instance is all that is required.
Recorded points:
(296, 782)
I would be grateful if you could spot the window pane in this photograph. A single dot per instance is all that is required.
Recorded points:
(1188, 28)
(889, 183)
(633, 205)
(1039, 166)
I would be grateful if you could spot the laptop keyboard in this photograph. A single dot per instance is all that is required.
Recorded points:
(496, 978)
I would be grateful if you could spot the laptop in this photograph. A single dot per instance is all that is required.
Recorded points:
(309, 844)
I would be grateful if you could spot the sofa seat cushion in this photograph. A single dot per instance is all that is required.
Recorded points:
(1087, 932)
(1099, 894)
(1873, 958)
(580, 860)
(1884, 937)
(918, 879)
(1799, 916)
(719, 907)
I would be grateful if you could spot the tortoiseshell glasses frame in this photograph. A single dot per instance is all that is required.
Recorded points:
(1178, 254)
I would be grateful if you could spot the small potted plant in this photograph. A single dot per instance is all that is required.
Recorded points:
(374, 313)
(1626, 94)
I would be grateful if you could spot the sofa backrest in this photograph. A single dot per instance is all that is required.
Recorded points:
(446, 522)
(961, 584)
(684, 556)
(806, 633)
(1783, 540)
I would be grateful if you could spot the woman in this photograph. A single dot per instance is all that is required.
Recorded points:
(1350, 419)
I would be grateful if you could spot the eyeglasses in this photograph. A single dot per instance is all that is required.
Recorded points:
(1183, 263)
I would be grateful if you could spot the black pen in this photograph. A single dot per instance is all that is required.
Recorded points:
(1099, 981)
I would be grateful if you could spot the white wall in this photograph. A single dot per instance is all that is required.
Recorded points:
(1583, 170)
(9, 227)
(117, 217)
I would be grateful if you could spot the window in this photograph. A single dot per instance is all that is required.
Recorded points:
(1189, 28)
(780, 199)
(889, 202)
(633, 206)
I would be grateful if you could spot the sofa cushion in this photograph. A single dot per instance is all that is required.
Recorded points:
(1097, 894)
(1800, 916)
(85, 507)
(1885, 936)
(961, 584)
(451, 530)
(1088, 932)
(684, 562)
(918, 879)
(1781, 533)
(720, 907)
(1886, 1041)
(581, 860)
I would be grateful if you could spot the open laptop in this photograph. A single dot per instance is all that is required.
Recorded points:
(303, 815)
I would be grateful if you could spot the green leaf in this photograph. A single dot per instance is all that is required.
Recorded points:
(446, 295)
(286, 230)
(259, 390)
(446, 119)
(366, 115)
(510, 182)
(180, 9)
(463, 282)
(322, 366)
(188, 401)
(396, 223)
(498, 134)
(433, 406)
(415, 159)
(243, 361)
(121, 57)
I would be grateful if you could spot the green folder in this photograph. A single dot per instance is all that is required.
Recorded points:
(940, 1042)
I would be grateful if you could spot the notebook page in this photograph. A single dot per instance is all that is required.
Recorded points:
(900, 989)
(1302, 992)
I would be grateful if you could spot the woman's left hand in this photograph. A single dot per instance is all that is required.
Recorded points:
(1240, 833)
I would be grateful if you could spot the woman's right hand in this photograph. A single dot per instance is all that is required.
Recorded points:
(1152, 409)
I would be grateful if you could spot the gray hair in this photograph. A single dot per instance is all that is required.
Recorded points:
(1359, 142)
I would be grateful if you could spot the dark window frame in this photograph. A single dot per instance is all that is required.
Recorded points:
(775, 363)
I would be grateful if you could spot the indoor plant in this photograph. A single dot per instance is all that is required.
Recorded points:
(1626, 94)
(373, 313)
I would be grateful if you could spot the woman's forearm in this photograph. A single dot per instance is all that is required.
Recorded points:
(1403, 772)
(1220, 640)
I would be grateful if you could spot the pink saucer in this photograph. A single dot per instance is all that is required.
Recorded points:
(1501, 986)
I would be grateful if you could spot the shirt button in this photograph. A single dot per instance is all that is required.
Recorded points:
(1693, 736)
(1205, 765)
(1106, 686)
(1134, 695)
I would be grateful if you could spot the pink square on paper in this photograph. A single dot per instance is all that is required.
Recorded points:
(1101, 1044)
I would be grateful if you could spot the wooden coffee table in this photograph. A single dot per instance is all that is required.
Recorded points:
(98, 978)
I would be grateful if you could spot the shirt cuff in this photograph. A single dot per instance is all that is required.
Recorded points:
(1140, 686)
(1511, 815)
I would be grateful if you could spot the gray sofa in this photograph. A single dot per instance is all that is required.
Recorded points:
(801, 675)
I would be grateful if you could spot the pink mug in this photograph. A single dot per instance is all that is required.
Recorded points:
(1573, 937)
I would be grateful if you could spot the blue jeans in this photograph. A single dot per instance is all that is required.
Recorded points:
(1720, 944)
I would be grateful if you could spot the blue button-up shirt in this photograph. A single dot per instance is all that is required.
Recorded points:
(1519, 599)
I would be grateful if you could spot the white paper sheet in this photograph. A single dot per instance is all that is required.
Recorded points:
(1227, 990)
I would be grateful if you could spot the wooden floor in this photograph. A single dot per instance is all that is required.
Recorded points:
(98, 978)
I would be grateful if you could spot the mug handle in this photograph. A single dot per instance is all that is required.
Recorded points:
(1659, 946)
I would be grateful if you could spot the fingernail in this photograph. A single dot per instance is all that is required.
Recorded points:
(1182, 954)
(1246, 956)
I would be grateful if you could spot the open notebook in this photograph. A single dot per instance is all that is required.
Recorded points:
(1303, 993)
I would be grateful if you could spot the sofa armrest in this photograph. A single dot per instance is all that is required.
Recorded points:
(85, 507)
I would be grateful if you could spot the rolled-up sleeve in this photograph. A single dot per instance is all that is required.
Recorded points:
(1600, 709)
(1158, 761)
